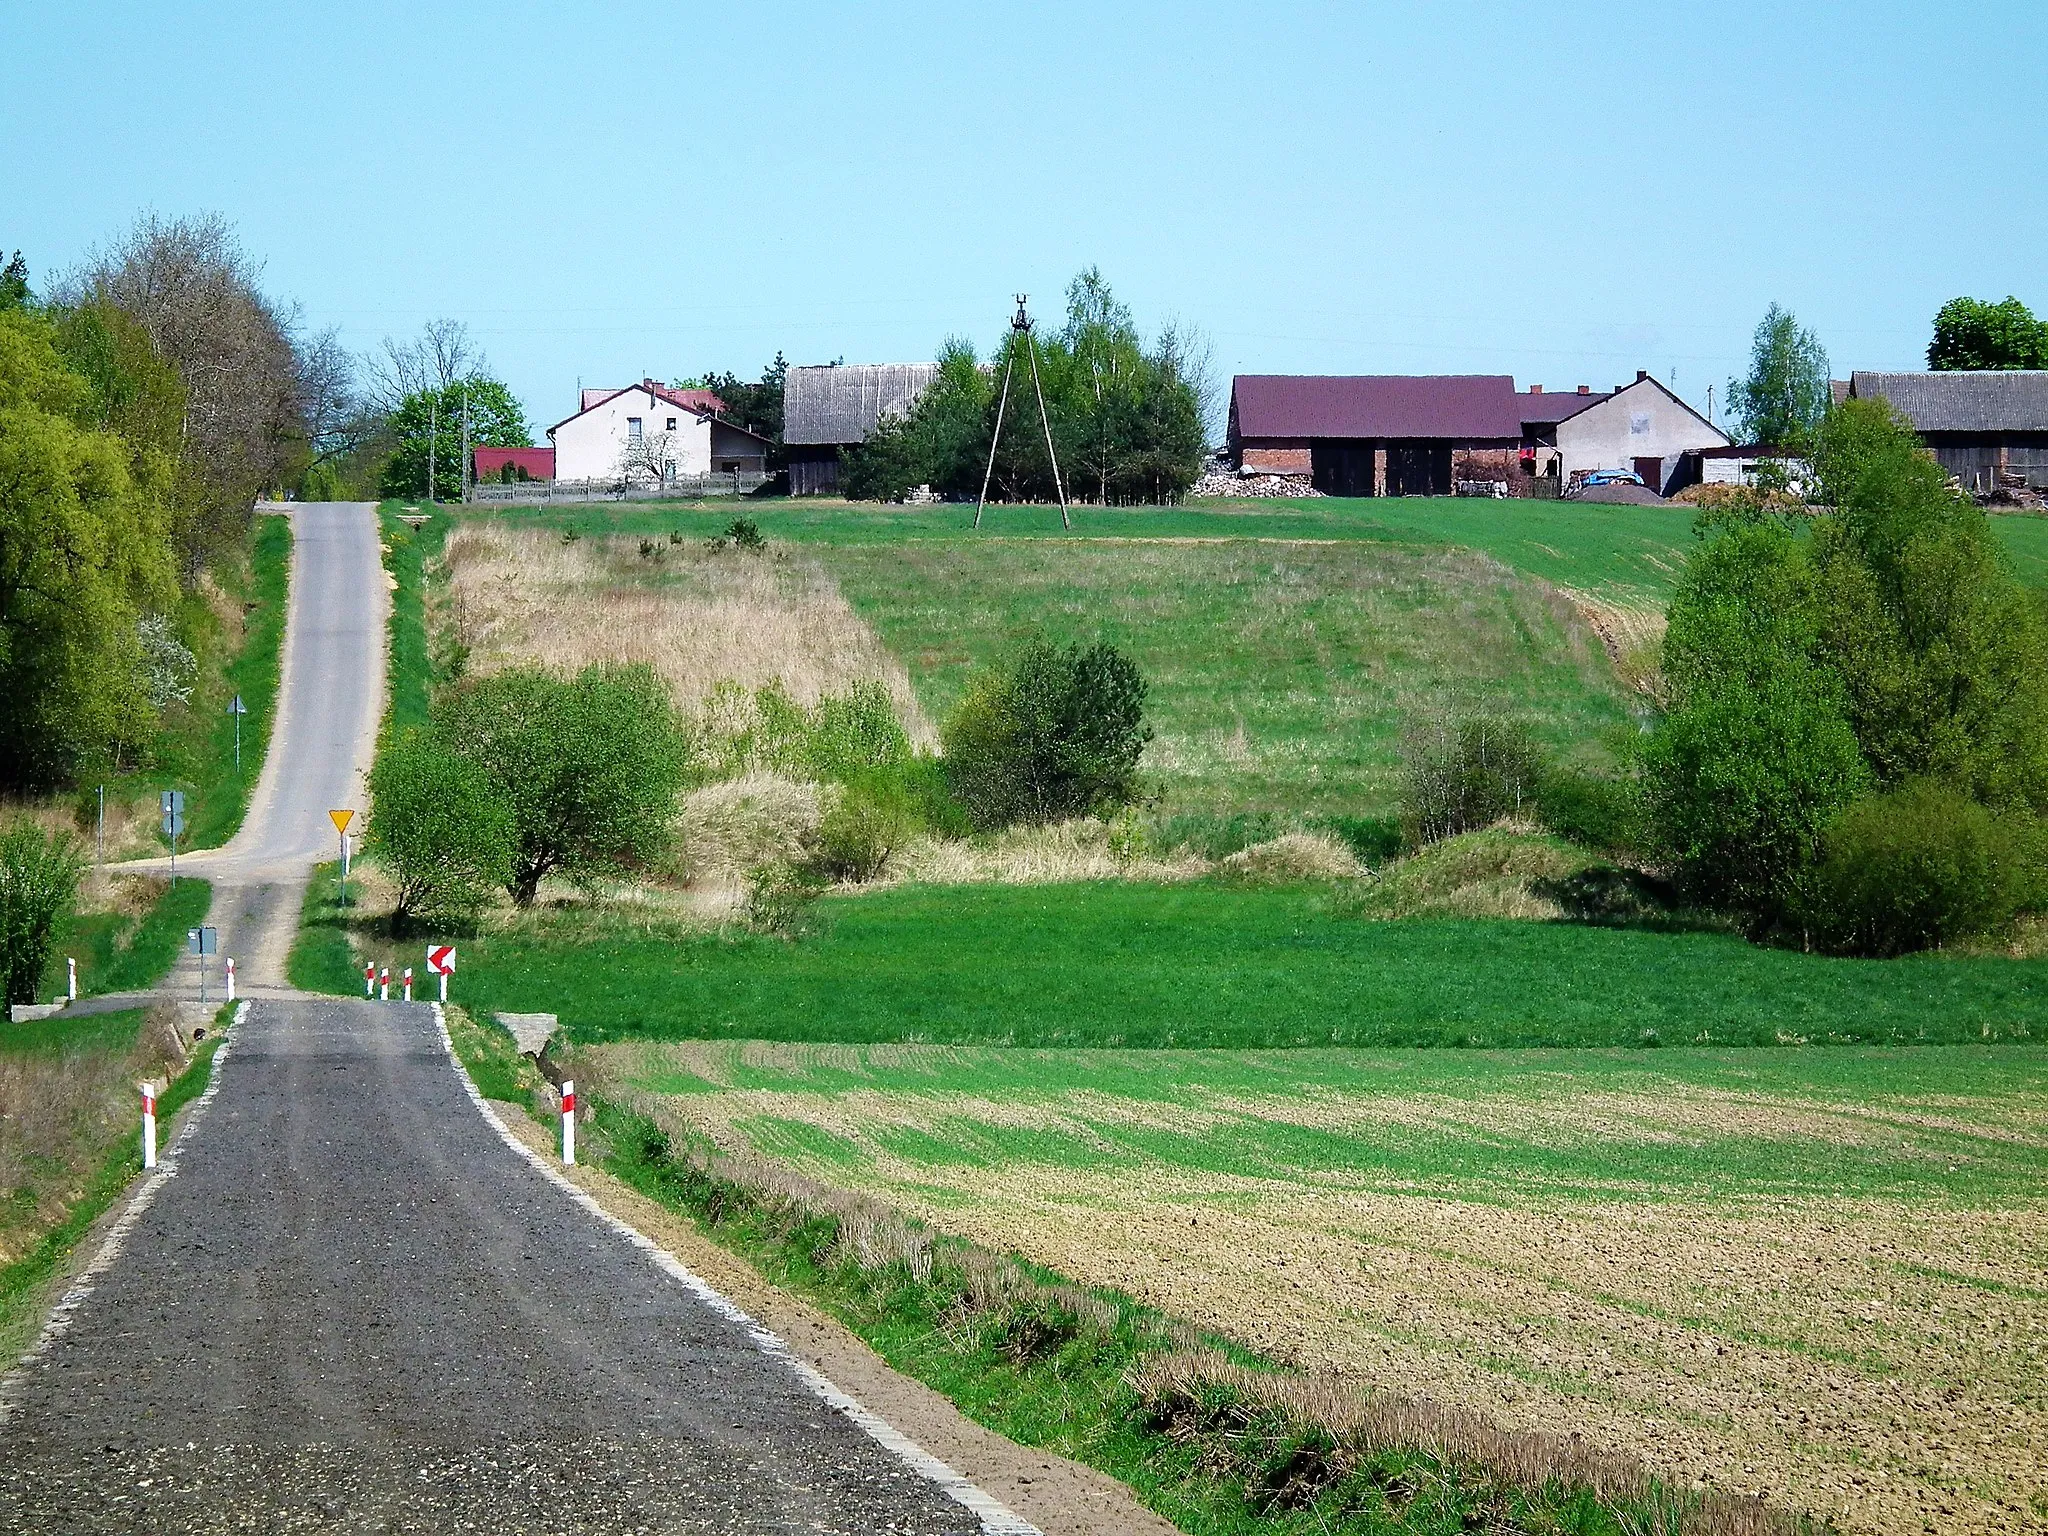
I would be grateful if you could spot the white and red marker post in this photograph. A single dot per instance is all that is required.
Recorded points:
(71, 980)
(408, 983)
(231, 978)
(441, 963)
(568, 1121)
(384, 985)
(369, 980)
(149, 1125)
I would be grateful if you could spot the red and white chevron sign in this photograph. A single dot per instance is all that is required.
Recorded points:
(441, 959)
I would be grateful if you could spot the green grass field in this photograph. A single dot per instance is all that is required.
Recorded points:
(122, 952)
(1214, 965)
(1281, 676)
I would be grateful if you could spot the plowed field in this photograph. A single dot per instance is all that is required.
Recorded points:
(1818, 1275)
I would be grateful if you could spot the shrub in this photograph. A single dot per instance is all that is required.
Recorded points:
(740, 533)
(1055, 734)
(1590, 810)
(589, 768)
(780, 897)
(769, 731)
(1916, 868)
(1463, 775)
(38, 881)
(441, 829)
(874, 817)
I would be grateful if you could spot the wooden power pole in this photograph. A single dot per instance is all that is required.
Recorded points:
(1020, 326)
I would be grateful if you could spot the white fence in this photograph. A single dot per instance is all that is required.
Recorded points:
(530, 492)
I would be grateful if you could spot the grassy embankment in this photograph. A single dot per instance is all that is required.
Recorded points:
(69, 1140)
(1817, 1275)
(1219, 1440)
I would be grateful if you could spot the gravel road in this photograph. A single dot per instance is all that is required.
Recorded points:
(353, 1309)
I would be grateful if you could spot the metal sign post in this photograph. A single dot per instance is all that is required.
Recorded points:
(441, 962)
(202, 942)
(341, 819)
(172, 803)
(238, 709)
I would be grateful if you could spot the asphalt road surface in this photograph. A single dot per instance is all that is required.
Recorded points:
(330, 699)
(353, 1308)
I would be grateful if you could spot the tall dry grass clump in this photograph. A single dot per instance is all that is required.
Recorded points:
(1050, 855)
(699, 617)
(61, 1109)
(728, 828)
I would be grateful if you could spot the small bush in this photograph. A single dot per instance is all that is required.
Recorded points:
(1461, 775)
(780, 897)
(874, 817)
(1913, 869)
(740, 533)
(38, 882)
(1591, 811)
(1053, 735)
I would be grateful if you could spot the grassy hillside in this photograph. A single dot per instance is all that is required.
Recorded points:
(1208, 964)
(1281, 675)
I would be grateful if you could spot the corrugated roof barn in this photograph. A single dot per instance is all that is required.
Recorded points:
(1981, 425)
(825, 409)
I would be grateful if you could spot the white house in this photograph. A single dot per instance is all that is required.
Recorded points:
(1641, 426)
(650, 432)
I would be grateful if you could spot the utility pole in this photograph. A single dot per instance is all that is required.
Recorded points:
(433, 431)
(1020, 325)
(466, 455)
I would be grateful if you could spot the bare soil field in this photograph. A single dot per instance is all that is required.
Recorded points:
(1818, 1276)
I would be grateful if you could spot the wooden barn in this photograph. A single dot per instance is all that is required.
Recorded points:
(1981, 425)
(826, 410)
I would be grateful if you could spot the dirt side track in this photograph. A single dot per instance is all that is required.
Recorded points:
(351, 1310)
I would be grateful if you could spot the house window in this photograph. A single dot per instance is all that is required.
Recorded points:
(633, 429)
(671, 423)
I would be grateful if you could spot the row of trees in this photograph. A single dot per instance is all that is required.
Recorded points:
(1127, 418)
(147, 398)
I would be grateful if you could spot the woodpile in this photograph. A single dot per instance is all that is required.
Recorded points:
(1220, 479)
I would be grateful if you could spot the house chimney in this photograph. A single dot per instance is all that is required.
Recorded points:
(1585, 389)
(1535, 389)
(1642, 374)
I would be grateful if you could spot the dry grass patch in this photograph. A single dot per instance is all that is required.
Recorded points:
(698, 617)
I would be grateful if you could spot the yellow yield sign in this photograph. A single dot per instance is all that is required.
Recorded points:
(341, 819)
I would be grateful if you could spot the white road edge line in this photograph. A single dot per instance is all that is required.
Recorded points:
(80, 1290)
(997, 1519)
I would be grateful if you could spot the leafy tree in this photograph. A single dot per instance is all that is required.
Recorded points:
(38, 879)
(589, 767)
(441, 828)
(14, 292)
(1921, 865)
(1054, 734)
(757, 407)
(1974, 333)
(1786, 394)
(1127, 420)
(1942, 655)
(84, 558)
(495, 421)
(1755, 756)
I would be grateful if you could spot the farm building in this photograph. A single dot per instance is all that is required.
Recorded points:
(647, 429)
(1981, 425)
(1376, 435)
(1641, 426)
(826, 410)
(514, 463)
(1738, 465)
(1540, 415)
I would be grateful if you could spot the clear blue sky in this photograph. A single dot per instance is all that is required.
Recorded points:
(1563, 192)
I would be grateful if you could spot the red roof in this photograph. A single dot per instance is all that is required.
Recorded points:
(1538, 406)
(699, 402)
(1454, 405)
(539, 463)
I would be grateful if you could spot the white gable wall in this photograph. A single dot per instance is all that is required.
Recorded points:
(1640, 421)
(592, 446)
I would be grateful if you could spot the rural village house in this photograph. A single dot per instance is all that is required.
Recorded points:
(1981, 425)
(648, 430)
(1420, 435)
(828, 409)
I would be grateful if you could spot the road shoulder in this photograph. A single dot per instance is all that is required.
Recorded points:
(1059, 1496)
